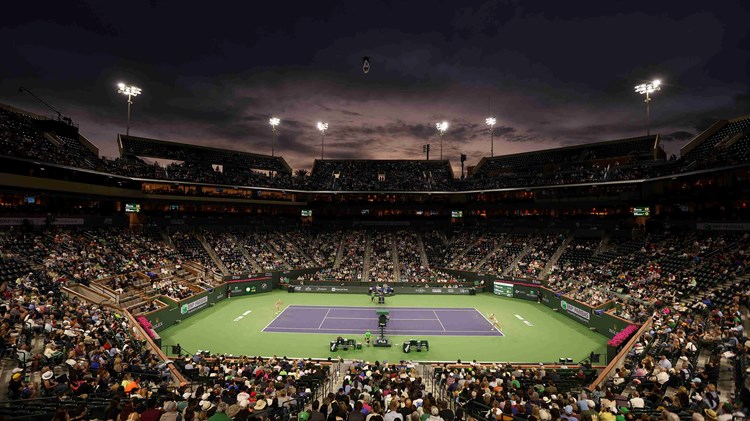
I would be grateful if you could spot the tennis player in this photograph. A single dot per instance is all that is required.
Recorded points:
(278, 306)
(494, 321)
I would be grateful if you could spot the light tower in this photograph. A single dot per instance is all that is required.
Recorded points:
(273, 122)
(491, 122)
(322, 127)
(648, 89)
(441, 128)
(130, 91)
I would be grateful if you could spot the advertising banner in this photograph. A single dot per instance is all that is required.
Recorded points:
(166, 317)
(526, 292)
(502, 288)
(250, 286)
(604, 323)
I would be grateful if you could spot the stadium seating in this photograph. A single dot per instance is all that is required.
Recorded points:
(692, 286)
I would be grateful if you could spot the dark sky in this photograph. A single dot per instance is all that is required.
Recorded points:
(212, 73)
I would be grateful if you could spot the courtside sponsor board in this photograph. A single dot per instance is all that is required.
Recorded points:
(501, 288)
(575, 311)
(192, 306)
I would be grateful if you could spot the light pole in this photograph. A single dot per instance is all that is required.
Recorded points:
(130, 91)
(441, 128)
(491, 122)
(648, 89)
(322, 127)
(273, 122)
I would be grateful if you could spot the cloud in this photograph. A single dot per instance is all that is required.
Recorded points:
(679, 136)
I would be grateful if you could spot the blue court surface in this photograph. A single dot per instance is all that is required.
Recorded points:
(403, 321)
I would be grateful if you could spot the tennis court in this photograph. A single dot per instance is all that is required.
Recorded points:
(403, 321)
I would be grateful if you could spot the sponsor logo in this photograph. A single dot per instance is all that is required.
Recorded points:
(264, 286)
(578, 312)
(437, 291)
(189, 307)
(420, 290)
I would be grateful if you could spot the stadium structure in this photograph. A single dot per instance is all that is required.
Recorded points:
(604, 271)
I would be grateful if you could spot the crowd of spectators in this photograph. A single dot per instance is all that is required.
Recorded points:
(472, 257)
(663, 374)
(410, 261)
(668, 279)
(321, 245)
(457, 244)
(262, 255)
(25, 137)
(288, 251)
(531, 264)
(381, 264)
(502, 258)
(229, 252)
(86, 349)
(378, 175)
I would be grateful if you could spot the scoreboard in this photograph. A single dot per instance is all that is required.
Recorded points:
(501, 288)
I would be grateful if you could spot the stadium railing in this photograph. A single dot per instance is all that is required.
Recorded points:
(178, 377)
(619, 359)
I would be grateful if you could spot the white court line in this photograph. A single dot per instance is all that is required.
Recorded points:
(519, 317)
(238, 318)
(247, 312)
(438, 319)
(274, 319)
(528, 323)
(389, 330)
(389, 308)
(324, 318)
(374, 318)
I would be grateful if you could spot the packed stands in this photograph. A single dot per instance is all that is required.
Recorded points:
(381, 264)
(262, 255)
(230, 252)
(596, 162)
(473, 257)
(152, 148)
(410, 253)
(381, 175)
(321, 245)
(531, 264)
(24, 135)
(502, 258)
(293, 256)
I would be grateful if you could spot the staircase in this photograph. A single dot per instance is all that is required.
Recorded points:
(366, 265)
(394, 253)
(480, 263)
(297, 249)
(340, 251)
(422, 254)
(211, 253)
(555, 257)
(246, 255)
(460, 255)
(517, 259)
(603, 245)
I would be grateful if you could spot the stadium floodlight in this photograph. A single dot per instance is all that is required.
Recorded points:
(491, 121)
(273, 122)
(441, 128)
(130, 91)
(322, 127)
(647, 89)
